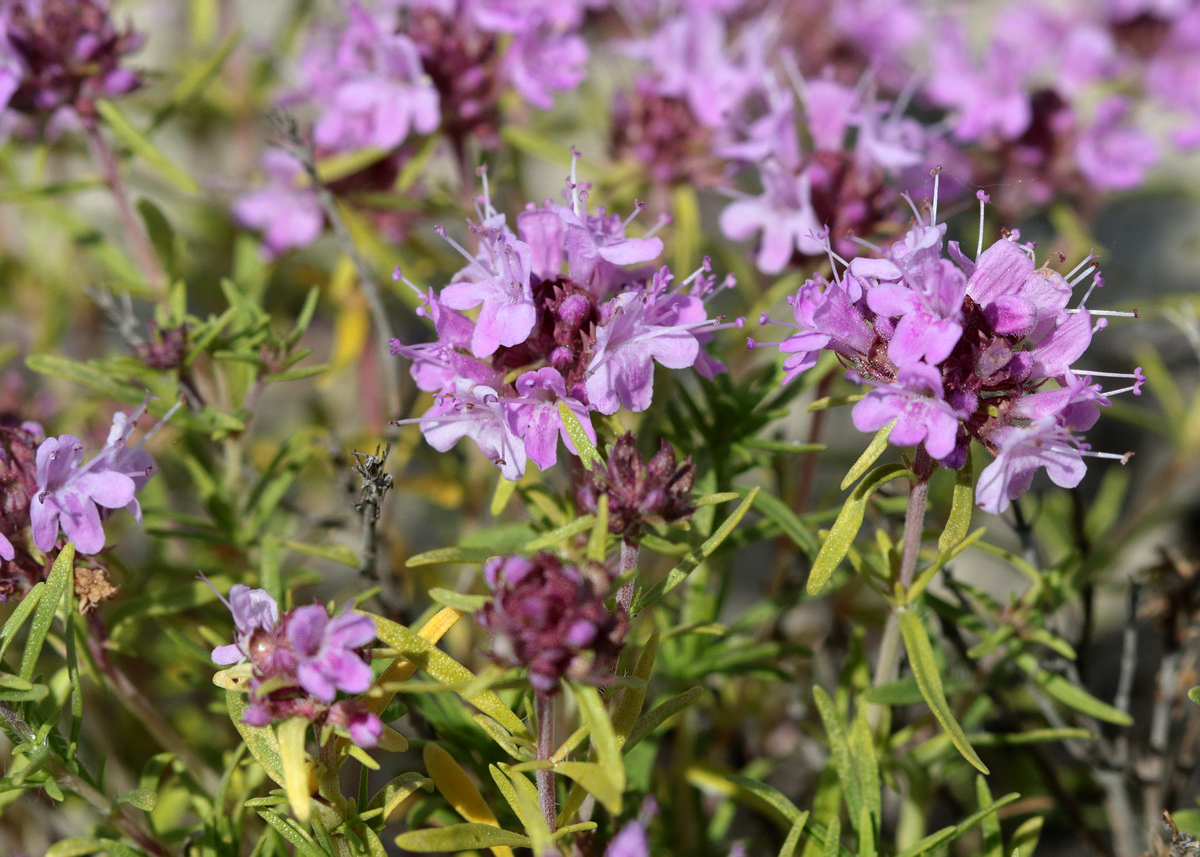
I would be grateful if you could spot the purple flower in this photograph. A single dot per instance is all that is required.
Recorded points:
(370, 85)
(549, 617)
(541, 61)
(59, 56)
(69, 494)
(562, 320)
(299, 661)
(7, 551)
(534, 415)
(639, 491)
(1112, 154)
(254, 611)
(1019, 452)
(783, 214)
(916, 401)
(958, 349)
(631, 841)
(500, 282)
(639, 330)
(287, 214)
(325, 649)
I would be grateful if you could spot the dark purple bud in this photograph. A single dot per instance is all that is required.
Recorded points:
(638, 491)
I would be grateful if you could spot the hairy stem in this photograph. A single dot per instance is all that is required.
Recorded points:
(120, 815)
(379, 320)
(888, 666)
(143, 252)
(547, 800)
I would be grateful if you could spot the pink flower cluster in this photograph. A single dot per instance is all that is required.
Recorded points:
(956, 350)
(562, 321)
(300, 661)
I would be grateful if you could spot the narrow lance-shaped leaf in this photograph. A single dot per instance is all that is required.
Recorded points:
(929, 680)
(56, 584)
(849, 520)
(141, 146)
(680, 572)
(588, 456)
(295, 769)
(460, 837)
(870, 455)
(458, 788)
(962, 505)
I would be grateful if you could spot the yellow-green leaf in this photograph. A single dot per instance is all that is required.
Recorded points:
(141, 146)
(461, 837)
(588, 456)
(929, 680)
(432, 660)
(389, 798)
(962, 505)
(599, 781)
(1071, 694)
(849, 520)
(61, 575)
(874, 449)
(291, 734)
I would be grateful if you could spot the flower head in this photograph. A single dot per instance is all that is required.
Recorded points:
(639, 491)
(566, 316)
(549, 617)
(300, 660)
(62, 55)
(956, 350)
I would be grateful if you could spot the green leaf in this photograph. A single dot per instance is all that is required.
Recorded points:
(162, 236)
(559, 534)
(336, 167)
(61, 575)
(334, 553)
(85, 374)
(297, 374)
(658, 715)
(1194, 694)
(680, 572)
(292, 733)
(22, 612)
(1025, 839)
(143, 799)
(834, 402)
(388, 798)
(504, 491)
(141, 146)
(433, 661)
(993, 841)
(604, 743)
(947, 834)
(260, 740)
(452, 554)
(461, 837)
(634, 697)
(870, 455)
(598, 539)
(193, 84)
(779, 512)
(525, 802)
(597, 780)
(840, 754)
(588, 456)
(849, 520)
(793, 838)
(458, 600)
(962, 505)
(81, 845)
(285, 827)
(769, 795)
(929, 680)
(686, 229)
(1070, 694)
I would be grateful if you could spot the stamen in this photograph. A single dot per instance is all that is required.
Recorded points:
(398, 277)
(638, 208)
(1109, 312)
(1111, 456)
(984, 199)
(1090, 256)
(1097, 283)
(441, 230)
(573, 181)
(705, 268)
(663, 220)
(936, 172)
